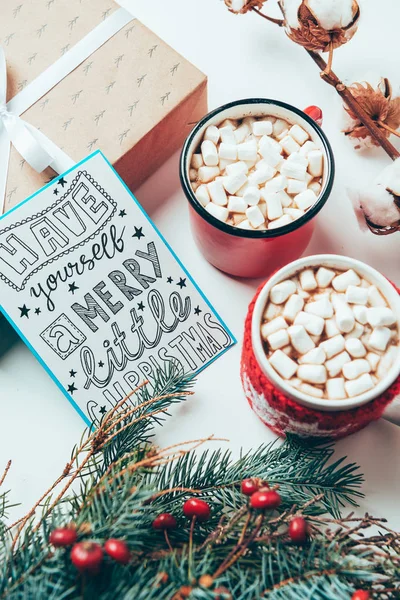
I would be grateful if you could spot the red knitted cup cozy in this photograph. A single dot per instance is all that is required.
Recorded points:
(284, 415)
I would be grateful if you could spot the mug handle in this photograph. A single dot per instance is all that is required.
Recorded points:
(315, 113)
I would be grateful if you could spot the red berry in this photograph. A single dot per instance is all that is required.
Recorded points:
(196, 508)
(265, 499)
(164, 521)
(315, 113)
(361, 595)
(298, 530)
(63, 536)
(87, 556)
(249, 487)
(118, 550)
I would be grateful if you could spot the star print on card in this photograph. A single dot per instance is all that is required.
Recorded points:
(115, 302)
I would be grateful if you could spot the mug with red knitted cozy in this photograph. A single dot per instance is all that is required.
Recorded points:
(321, 352)
(256, 173)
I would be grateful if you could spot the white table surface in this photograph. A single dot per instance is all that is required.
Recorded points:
(243, 57)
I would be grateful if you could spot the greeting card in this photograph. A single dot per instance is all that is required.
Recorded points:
(97, 294)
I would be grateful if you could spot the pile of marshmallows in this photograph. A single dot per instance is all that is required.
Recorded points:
(329, 334)
(257, 173)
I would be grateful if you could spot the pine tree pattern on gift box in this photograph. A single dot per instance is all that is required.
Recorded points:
(109, 102)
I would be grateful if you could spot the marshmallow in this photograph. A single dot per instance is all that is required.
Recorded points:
(375, 298)
(279, 126)
(260, 176)
(315, 163)
(307, 280)
(272, 311)
(261, 128)
(197, 161)
(356, 332)
(292, 307)
(255, 216)
(294, 170)
(341, 282)
(295, 186)
(237, 167)
(335, 364)
(278, 339)
(360, 314)
(217, 192)
(281, 291)
(307, 148)
(241, 133)
(202, 195)
(285, 199)
(270, 153)
(227, 135)
(373, 360)
(289, 145)
(233, 183)
(311, 323)
(207, 174)
(294, 213)
(212, 134)
(252, 195)
(359, 386)
(333, 346)
(276, 184)
(283, 364)
(335, 388)
(356, 295)
(228, 151)
(245, 225)
(281, 222)
(315, 187)
(310, 390)
(298, 134)
(305, 199)
(387, 361)
(236, 204)
(322, 308)
(379, 338)
(344, 316)
(209, 153)
(224, 163)
(324, 276)
(354, 369)
(247, 151)
(274, 325)
(298, 158)
(312, 373)
(274, 206)
(300, 339)
(331, 329)
(316, 356)
(355, 347)
(219, 212)
(378, 316)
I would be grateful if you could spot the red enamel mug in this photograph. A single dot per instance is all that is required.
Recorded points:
(241, 252)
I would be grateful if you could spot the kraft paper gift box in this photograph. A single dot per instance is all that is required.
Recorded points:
(134, 98)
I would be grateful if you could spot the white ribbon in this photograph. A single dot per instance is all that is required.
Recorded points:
(34, 147)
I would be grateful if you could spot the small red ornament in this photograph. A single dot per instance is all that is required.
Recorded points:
(249, 487)
(361, 595)
(87, 556)
(315, 113)
(265, 499)
(298, 530)
(196, 508)
(63, 536)
(118, 550)
(164, 521)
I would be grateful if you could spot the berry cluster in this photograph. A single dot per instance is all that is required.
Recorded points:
(88, 556)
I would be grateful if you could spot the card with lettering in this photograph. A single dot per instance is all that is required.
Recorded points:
(96, 292)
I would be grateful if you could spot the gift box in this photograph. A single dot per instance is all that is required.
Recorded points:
(133, 97)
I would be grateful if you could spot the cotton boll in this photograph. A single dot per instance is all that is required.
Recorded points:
(291, 8)
(378, 205)
(332, 14)
(355, 199)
